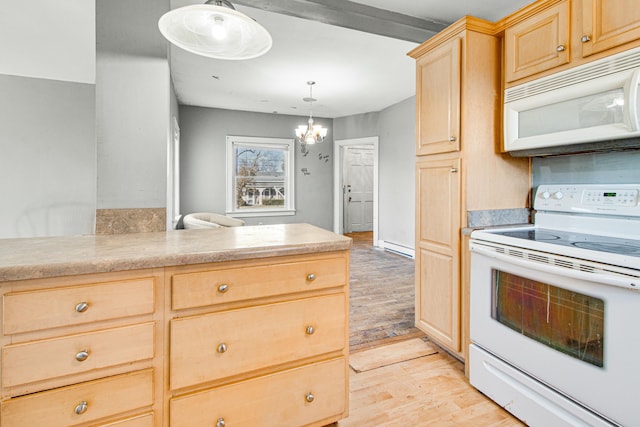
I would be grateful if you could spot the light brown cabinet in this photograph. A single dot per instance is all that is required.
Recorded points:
(247, 337)
(538, 43)
(438, 83)
(81, 349)
(437, 251)
(552, 35)
(606, 24)
(247, 342)
(449, 183)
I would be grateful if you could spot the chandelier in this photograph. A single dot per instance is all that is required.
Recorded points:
(215, 30)
(310, 134)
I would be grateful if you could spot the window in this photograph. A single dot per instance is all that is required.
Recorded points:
(567, 321)
(260, 176)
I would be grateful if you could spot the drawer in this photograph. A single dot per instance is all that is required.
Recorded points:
(218, 345)
(51, 308)
(145, 420)
(41, 360)
(254, 402)
(59, 407)
(220, 286)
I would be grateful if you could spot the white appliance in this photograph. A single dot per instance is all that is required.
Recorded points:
(594, 102)
(555, 309)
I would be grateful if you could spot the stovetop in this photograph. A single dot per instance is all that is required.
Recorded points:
(599, 223)
(592, 242)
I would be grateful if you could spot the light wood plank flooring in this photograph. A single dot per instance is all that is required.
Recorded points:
(426, 391)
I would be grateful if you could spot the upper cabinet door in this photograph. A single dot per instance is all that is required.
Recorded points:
(607, 24)
(438, 99)
(538, 43)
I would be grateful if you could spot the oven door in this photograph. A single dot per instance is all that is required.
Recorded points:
(560, 331)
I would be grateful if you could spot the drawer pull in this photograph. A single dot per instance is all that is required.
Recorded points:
(585, 38)
(223, 288)
(220, 422)
(310, 330)
(309, 397)
(222, 348)
(311, 277)
(81, 356)
(452, 138)
(561, 48)
(81, 307)
(81, 408)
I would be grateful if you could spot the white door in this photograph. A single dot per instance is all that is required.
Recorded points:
(358, 189)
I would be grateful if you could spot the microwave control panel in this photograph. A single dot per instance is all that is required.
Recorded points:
(605, 199)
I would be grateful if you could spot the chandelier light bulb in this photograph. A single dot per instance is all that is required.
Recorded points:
(310, 134)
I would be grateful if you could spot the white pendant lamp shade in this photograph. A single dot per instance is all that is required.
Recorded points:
(215, 31)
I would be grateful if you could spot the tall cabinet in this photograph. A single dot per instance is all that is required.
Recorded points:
(459, 168)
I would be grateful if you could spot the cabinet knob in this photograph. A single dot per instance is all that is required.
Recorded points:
(310, 330)
(561, 48)
(453, 170)
(222, 348)
(81, 408)
(452, 138)
(223, 288)
(585, 38)
(311, 277)
(309, 397)
(220, 422)
(81, 307)
(83, 355)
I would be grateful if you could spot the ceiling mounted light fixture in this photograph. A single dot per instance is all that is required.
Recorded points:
(310, 134)
(215, 30)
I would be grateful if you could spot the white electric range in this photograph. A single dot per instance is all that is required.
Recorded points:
(553, 308)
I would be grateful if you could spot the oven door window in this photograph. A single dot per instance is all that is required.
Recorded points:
(566, 321)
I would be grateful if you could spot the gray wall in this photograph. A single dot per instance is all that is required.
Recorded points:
(133, 104)
(601, 168)
(48, 157)
(395, 127)
(203, 162)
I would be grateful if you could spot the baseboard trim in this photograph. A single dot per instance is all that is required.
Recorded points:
(397, 248)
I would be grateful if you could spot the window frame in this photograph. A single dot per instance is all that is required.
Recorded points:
(288, 145)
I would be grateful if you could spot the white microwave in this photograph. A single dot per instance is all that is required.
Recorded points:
(581, 107)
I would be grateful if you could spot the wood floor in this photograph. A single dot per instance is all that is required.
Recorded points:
(425, 391)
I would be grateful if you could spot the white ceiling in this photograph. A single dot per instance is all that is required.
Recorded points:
(355, 71)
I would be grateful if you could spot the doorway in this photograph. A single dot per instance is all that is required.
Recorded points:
(356, 186)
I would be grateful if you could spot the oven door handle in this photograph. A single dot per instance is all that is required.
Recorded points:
(602, 278)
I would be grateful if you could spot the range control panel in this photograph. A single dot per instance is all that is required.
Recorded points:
(605, 199)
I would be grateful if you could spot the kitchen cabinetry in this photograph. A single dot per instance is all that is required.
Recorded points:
(538, 43)
(240, 332)
(606, 25)
(81, 349)
(438, 81)
(473, 176)
(244, 352)
(552, 35)
(438, 247)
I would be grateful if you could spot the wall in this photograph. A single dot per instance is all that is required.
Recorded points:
(47, 116)
(133, 104)
(395, 127)
(203, 162)
(601, 168)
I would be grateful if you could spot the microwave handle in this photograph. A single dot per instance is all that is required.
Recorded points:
(632, 101)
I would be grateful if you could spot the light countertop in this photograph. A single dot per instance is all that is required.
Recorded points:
(39, 257)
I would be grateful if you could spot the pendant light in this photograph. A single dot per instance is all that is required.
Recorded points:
(215, 30)
(310, 134)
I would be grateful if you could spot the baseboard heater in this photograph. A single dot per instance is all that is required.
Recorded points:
(398, 249)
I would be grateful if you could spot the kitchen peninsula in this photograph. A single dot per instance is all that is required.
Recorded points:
(188, 327)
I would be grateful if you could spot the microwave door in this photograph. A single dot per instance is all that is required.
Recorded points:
(633, 102)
